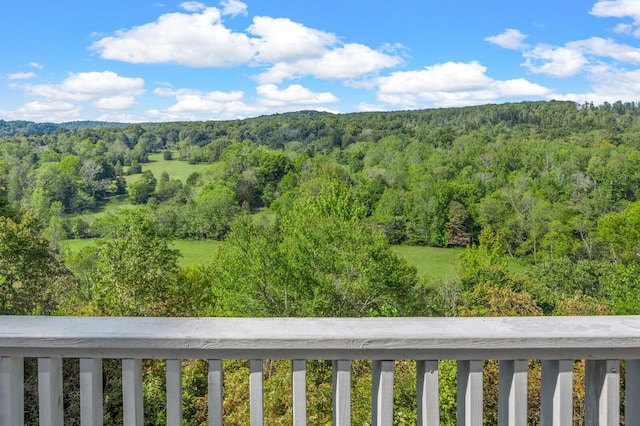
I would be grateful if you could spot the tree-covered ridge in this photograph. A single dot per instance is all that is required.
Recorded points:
(540, 174)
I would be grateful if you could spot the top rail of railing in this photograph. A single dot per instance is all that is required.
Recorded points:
(604, 337)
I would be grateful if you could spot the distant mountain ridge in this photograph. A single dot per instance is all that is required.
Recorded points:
(21, 127)
(542, 114)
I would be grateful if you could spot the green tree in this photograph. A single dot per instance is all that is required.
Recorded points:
(622, 232)
(322, 260)
(32, 279)
(136, 270)
(213, 212)
(141, 190)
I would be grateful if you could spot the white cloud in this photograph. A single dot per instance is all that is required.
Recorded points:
(36, 65)
(295, 94)
(365, 107)
(233, 8)
(215, 96)
(281, 39)
(518, 88)
(21, 76)
(287, 49)
(623, 29)
(452, 84)
(119, 117)
(510, 39)
(555, 61)
(198, 39)
(193, 6)
(447, 77)
(611, 84)
(607, 49)
(347, 62)
(197, 105)
(52, 111)
(617, 9)
(115, 102)
(89, 85)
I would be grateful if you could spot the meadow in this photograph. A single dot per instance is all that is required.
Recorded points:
(177, 169)
(435, 263)
(432, 262)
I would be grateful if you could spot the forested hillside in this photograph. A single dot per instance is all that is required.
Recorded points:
(553, 184)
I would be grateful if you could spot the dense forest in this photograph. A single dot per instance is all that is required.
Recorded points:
(554, 185)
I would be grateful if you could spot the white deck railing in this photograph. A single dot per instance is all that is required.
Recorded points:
(602, 341)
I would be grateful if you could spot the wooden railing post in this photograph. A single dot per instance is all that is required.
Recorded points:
(341, 393)
(215, 388)
(512, 393)
(256, 392)
(427, 393)
(174, 392)
(132, 402)
(602, 392)
(299, 397)
(91, 392)
(382, 393)
(50, 391)
(556, 399)
(632, 392)
(469, 393)
(12, 391)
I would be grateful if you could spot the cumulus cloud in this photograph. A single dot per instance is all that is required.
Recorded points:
(115, 102)
(197, 39)
(193, 6)
(617, 9)
(452, 84)
(53, 111)
(346, 62)
(365, 107)
(280, 39)
(607, 48)
(233, 8)
(447, 77)
(36, 65)
(89, 85)
(21, 76)
(610, 84)
(578, 56)
(510, 39)
(295, 94)
(555, 61)
(197, 105)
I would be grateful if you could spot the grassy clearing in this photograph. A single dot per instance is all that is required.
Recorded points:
(193, 252)
(432, 262)
(111, 205)
(264, 216)
(177, 169)
(435, 263)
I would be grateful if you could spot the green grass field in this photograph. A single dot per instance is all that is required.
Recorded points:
(435, 263)
(193, 252)
(177, 169)
(432, 262)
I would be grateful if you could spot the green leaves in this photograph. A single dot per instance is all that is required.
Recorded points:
(32, 280)
(135, 272)
(622, 232)
(322, 260)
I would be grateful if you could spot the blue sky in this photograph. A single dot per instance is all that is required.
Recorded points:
(140, 61)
